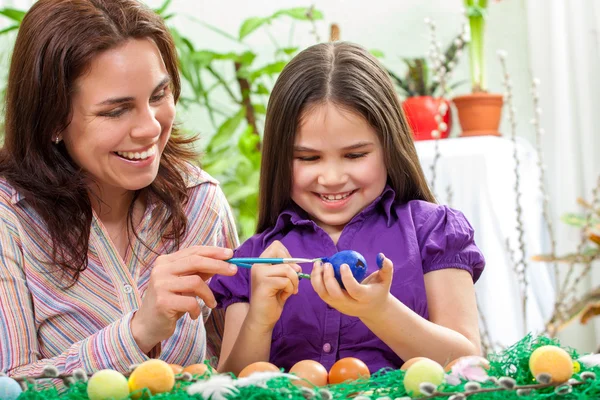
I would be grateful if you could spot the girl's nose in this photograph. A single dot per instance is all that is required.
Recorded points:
(332, 175)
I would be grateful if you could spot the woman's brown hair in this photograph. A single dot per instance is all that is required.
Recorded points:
(55, 45)
(344, 74)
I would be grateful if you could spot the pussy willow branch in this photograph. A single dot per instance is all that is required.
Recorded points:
(521, 265)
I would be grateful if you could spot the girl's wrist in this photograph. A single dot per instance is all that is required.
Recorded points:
(380, 312)
(256, 326)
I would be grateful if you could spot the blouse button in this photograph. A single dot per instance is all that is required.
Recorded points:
(127, 289)
(327, 347)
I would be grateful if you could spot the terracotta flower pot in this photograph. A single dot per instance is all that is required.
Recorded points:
(421, 112)
(479, 113)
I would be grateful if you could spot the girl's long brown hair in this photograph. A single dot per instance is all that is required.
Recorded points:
(55, 45)
(348, 76)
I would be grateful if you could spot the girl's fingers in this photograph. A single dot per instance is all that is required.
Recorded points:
(316, 280)
(354, 289)
(387, 270)
(331, 284)
(276, 250)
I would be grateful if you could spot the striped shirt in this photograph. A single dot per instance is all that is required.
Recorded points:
(88, 325)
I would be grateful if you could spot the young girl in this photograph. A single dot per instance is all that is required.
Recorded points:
(340, 172)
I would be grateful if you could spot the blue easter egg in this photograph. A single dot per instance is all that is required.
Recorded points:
(9, 388)
(355, 260)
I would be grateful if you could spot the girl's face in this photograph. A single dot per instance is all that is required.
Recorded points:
(338, 166)
(123, 112)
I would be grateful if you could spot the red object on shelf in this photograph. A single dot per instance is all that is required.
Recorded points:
(421, 111)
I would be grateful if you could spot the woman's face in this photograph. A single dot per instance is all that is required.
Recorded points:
(122, 116)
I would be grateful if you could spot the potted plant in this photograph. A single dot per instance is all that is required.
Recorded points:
(421, 89)
(478, 112)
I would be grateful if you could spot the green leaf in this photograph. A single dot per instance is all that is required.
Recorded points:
(259, 108)
(574, 220)
(215, 29)
(377, 53)
(476, 12)
(300, 13)
(10, 28)
(13, 13)
(290, 51)
(239, 191)
(248, 143)
(219, 163)
(269, 69)
(160, 10)
(246, 58)
(251, 24)
(261, 89)
(226, 130)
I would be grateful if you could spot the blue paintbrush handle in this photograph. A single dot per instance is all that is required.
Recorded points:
(248, 266)
(255, 260)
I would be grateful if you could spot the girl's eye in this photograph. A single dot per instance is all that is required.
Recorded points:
(308, 158)
(355, 155)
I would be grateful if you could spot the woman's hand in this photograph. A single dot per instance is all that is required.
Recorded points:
(359, 299)
(271, 286)
(175, 282)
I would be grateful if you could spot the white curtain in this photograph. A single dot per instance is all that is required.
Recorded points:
(564, 44)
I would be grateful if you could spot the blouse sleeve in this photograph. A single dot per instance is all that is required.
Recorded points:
(112, 347)
(446, 240)
(233, 289)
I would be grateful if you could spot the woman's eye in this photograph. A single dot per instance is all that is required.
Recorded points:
(117, 112)
(159, 96)
(355, 155)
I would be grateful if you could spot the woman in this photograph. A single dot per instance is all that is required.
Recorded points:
(108, 234)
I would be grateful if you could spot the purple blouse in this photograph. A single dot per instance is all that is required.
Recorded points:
(418, 237)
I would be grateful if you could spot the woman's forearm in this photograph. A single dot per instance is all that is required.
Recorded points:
(410, 335)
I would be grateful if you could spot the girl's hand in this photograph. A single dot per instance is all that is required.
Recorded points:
(359, 299)
(271, 286)
(176, 281)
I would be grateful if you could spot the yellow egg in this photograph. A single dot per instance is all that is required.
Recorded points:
(156, 375)
(551, 360)
(410, 362)
(420, 372)
(576, 367)
(107, 384)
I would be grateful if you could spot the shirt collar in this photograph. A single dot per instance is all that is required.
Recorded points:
(296, 216)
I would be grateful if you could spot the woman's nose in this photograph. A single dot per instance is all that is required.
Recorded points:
(147, 125)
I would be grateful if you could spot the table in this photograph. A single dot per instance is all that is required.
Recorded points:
(480, 173)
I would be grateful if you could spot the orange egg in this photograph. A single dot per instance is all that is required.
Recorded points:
(177, 369)
(472, 361)
(196, 369)
(348, 368)
(410, 362)
(260, 366)
(310, 370)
